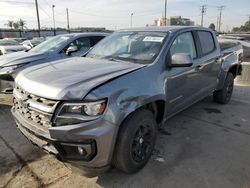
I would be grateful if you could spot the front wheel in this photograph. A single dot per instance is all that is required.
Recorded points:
(224, 95)
(135, 141)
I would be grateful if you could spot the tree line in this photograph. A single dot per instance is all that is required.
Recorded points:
(20, 24)
(243, 28)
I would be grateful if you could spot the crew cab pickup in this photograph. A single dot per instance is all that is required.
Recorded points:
(104, 109)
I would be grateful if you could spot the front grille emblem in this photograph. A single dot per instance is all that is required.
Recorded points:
(24, 103)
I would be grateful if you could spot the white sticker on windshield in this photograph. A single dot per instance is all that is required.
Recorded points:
(153, 39)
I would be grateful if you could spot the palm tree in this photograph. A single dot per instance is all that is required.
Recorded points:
(16, 25)
(10, 24)
(22, 24)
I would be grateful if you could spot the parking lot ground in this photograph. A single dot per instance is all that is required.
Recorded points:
(207, 145)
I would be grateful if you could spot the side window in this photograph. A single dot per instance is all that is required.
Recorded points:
(207, 42)
(95, 39)
(184, 43)
(83, 44)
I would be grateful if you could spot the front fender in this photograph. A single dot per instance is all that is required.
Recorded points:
(130, 92)
(121, 103)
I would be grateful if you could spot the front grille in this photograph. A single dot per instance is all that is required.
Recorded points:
(36, 110)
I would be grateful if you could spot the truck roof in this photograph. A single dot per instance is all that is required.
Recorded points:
(85, 34)
(163, 28)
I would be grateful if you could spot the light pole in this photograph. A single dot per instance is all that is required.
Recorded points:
(67, 11)
(53, 6)
(165, 13)
(38, 19)
(131, 19)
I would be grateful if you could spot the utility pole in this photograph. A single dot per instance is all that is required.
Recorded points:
(203, 11)
(220, 9)
(53, 12)
(165, 13)
(249, 20)
(131, 19)
(38, 19)
(67, 11)
(217, 23)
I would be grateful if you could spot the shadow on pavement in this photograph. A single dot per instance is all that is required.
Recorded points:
(16, 150)
(206, 145)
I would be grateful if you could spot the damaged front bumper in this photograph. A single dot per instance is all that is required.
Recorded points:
(88, 146)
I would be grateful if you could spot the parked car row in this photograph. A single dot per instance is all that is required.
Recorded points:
(104, 109)
(19, 44)
(28, 44)
(55, 48)
(9, 46)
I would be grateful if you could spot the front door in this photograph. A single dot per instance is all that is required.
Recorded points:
(183, 83)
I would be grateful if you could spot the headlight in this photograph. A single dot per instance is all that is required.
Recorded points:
(72, 113)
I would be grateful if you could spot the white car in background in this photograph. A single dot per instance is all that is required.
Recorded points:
(9, 46)
(28, 44)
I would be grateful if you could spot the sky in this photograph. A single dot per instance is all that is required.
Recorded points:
(115, 14)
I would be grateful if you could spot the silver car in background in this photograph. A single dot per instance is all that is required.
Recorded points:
(9, 46)
(58, 47)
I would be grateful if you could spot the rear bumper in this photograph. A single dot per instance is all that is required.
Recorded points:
(97, 138)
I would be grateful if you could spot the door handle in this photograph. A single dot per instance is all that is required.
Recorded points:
(198, 67)
(217, 58)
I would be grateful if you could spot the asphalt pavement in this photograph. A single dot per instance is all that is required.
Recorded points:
(207, 145)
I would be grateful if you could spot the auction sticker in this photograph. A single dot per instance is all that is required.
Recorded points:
(153, 39)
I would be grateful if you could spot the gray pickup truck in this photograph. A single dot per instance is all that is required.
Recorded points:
(104, 110)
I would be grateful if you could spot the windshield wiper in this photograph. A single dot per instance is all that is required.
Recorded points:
(113, 59)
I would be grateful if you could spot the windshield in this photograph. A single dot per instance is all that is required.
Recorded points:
(51, 45)
(137, 47)
(8, 42)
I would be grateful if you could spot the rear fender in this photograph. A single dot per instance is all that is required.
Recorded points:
(229, 62)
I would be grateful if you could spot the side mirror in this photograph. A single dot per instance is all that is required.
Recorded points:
(181, 60)
(71, 50)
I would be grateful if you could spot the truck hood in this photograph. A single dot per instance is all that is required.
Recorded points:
(20, 57)
(71, 79)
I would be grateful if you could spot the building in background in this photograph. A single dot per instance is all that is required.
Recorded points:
(174, 20)
(161, 22)
(178, 20)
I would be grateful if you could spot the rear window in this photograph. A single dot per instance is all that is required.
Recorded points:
(207, 42)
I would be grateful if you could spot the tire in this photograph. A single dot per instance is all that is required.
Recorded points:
(135, 142)
(1, 53)
(224, 95)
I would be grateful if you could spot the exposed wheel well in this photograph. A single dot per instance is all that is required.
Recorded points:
(157, 108)
(234, 70)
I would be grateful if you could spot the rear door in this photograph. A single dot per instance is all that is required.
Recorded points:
(210, 62)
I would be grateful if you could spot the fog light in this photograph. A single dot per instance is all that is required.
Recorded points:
(82, 151)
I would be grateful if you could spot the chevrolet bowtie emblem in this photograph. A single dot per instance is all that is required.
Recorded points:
(24, 104)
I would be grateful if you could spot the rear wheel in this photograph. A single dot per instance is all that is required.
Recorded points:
(1, 53)
(135, 141)
(224, 95)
